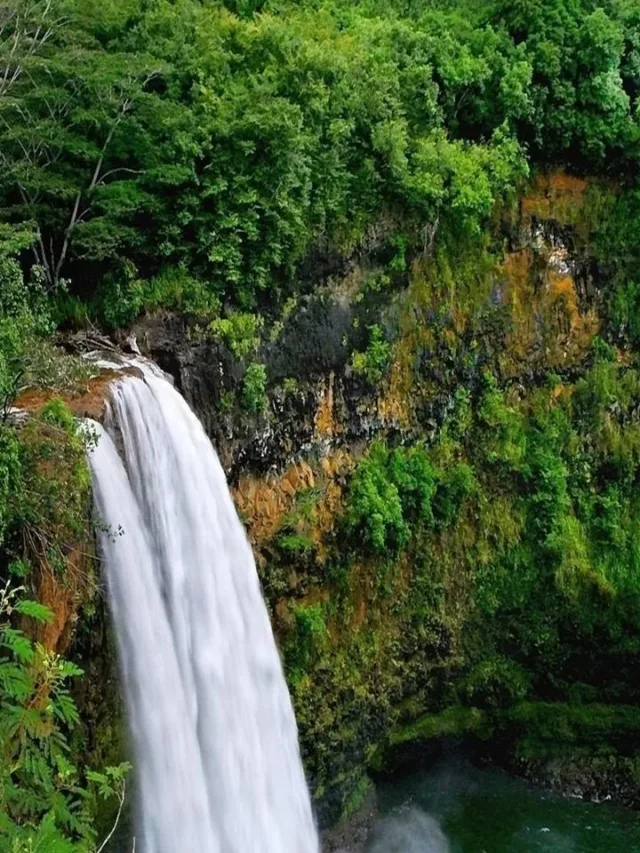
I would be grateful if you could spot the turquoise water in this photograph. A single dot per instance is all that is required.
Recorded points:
(459, 809)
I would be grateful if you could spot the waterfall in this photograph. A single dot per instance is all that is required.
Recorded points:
(217, 761)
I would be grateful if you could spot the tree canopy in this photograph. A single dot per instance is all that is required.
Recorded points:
(231, 139)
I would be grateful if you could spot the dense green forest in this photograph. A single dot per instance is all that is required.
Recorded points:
(204, 157)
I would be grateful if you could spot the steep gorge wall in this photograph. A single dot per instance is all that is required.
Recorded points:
(381, 645)
(447, 591)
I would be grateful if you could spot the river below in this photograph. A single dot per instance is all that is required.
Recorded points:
(461, 809)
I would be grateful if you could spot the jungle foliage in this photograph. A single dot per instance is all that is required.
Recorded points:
(221, 143)
(191, 156)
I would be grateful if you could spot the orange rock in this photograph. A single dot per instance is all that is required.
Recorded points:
(87, 404)
(325, 423)
(554, 195)
(263, 503)
(548, 321)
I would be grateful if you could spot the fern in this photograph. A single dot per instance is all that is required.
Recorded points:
(19, 646)
(34, 610)
(44, 805)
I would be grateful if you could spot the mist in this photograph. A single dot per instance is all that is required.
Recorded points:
(409, 831)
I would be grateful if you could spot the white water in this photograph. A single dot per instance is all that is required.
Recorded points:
(216, 752)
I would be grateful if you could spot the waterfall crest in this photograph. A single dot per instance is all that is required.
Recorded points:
(216, 750)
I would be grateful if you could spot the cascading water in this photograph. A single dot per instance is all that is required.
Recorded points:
(215, 740)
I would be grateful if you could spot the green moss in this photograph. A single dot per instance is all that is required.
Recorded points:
(452, 723)
(295, 543)
(549, 729)
(495, 682)
(307, 639)
(227, 402)
(359, 794)
(290, 385)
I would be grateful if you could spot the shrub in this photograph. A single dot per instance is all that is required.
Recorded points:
(175, 289)
(308, 639)
(374, 508)
(240, 332)
(417, 481)
(123, 296)
(49, 506)
(254, 388)
(393, 493)
(374, 361)
(45, 803)
(120, 300)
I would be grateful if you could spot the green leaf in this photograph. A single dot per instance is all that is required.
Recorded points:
(35, 610)
(17, 644)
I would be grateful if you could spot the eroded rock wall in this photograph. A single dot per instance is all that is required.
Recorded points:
(386, 648)
(528, 309)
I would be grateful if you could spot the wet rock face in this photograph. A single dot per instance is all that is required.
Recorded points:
(352, 835)
(308, 362)
(593, 778)
(205, 372)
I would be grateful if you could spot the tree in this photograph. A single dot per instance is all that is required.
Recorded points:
(23, 314)
(82, 132)
(63, 131)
